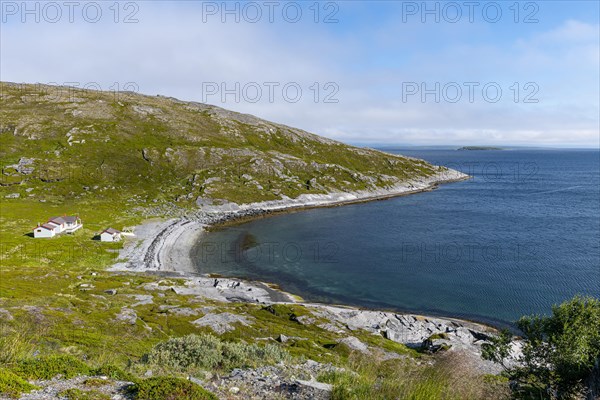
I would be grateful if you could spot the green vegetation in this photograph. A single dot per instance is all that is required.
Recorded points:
(113, 372)
(13, 385)
(118, 160)
(373, 378)
(169, 389)
(49, 367)
(559, 351)
(89, 147)
(77, 394)
(207, 352)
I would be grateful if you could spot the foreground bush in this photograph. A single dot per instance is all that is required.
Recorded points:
(13, 385)
(113, 372)
(374, 378)
(49, 367)
(559, 351)
(162, 388)
(77, 394)
(208, 352)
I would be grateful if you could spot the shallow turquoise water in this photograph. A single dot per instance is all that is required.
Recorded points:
(522, 235)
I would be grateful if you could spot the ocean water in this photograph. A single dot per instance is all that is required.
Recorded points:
(520, 236)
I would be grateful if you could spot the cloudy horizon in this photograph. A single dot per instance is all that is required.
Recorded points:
(382, 74)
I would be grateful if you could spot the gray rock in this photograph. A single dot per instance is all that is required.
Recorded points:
(111, 291)
(326, 387)
(142, 299)
(5, 315)
(12, 196)
(221, 323)
(127, 315)
(354, 344)
(282, 338)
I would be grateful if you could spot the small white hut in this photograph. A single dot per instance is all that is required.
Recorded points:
(110, 235)
(45, 231)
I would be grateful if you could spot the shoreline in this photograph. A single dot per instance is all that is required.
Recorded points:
(163, 248)
(165, 245)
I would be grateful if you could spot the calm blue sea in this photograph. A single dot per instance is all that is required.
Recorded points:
(522, 235)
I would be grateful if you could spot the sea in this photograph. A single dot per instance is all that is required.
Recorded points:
(520, 236)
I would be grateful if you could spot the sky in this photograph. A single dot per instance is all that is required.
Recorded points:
(374, 73)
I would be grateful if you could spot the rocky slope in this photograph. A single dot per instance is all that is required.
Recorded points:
(64, 143)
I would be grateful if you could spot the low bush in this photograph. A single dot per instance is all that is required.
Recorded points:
(51, 366)
(113, 372)
(77, 394)
(209, 352)
(168, 388)
(12, 385)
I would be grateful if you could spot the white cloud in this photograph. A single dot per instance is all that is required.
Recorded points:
(171, 52)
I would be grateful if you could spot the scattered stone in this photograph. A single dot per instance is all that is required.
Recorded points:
(354, 344)
(221, 323)
(12, 196)
(86, 286)
(127, 315)
(112, 292)
(142, 299)
(326, 387)
(5, 315)
(282, 338)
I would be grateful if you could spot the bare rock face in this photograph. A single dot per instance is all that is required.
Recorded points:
(355, 344)
(221, 323)
(281, 381)
(127, 315)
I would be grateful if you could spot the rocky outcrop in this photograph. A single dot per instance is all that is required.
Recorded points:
(221, 323)
(295, 381)
(414, 331)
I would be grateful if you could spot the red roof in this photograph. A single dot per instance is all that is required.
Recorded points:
(46, 226)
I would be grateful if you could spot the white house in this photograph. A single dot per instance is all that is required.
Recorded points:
(110, 235)
(57, 225)
(45, 231)
(68, 224)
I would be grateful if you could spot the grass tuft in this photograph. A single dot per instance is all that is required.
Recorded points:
(169, 388)
(50, 367)
(12, 385)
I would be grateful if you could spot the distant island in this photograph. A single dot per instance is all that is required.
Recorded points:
(480, 148)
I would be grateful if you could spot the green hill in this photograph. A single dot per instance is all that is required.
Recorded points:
(79, 144)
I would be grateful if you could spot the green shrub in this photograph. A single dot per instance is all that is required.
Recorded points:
(169, 388)
(49, 367)
(559, 351)
(77, 394)
(95, 382)
(113, 372)
(12, 385)
(209, 352)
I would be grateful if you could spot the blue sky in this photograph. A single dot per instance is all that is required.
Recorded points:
(372, 59)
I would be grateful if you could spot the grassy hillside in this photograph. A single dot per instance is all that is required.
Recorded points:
(77, 145)
(114, 160)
